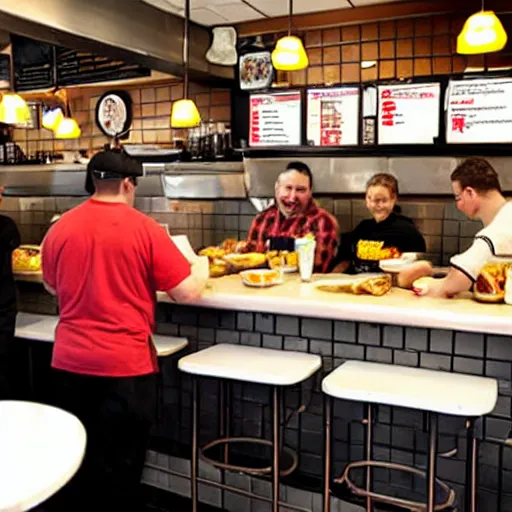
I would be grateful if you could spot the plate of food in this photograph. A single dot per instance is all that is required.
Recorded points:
(245, 261)
(288, 261)
(26, 259)
(491, 281)
(261, 278)
(367, 284)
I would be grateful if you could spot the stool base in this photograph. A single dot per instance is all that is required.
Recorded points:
(247, 469)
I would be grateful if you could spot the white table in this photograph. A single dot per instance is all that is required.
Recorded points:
(41, 448)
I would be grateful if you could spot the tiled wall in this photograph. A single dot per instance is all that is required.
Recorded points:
(399, 433)
(414, 47)
(446, 230)
(151, 116)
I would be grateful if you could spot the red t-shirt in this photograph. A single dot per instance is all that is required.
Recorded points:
(106, 261)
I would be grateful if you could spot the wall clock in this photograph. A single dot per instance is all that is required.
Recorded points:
(114, 114)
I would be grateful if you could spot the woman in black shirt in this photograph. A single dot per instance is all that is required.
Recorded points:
(9, 240)
(381, 237)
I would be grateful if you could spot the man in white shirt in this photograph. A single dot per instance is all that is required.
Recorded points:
(478, 195)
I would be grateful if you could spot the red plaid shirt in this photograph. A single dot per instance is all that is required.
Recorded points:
(272, 223)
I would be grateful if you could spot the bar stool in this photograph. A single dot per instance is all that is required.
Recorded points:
(165, 346)
(432, 391)
(275, 368)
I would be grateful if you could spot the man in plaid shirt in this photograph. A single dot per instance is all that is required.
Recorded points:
(294, 215)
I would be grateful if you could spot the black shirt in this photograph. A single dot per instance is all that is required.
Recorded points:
(396, 231)
(9, 240)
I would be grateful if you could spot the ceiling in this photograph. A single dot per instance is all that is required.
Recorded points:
(222, 12)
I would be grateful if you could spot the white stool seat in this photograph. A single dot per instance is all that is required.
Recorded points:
(168, 345)
(251, 364)
(41, 448)
(416, 388)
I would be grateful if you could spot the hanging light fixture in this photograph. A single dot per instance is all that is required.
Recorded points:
(52, 117)
(482, 33)
(289, 53)
(13, 108)
(67, 128)
(184, 112)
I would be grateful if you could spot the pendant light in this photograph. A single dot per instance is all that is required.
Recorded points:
(13, 108)
(289, 53)
(184, 112)
(67, 128)
(52, 118)
(482, 33)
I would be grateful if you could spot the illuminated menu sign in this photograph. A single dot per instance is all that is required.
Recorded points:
(479, 111)
(409, 113)
(333, 116)
(275, 119)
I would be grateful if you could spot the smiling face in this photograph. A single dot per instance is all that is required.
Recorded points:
(380, 202)
(293, 193)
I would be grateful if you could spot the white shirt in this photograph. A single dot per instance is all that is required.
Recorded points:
(493, 240)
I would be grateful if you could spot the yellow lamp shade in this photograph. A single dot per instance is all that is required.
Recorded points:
(185, 114)
(289, 54)
(52, 118)
(14, 109)
(482, 33)
(68, 129)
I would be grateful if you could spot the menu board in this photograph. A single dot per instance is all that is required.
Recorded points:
(408, 113)
(5, 71)
(275, 119)
(76, 67)
(33, 63)
(479, 111)
(39, 65)
(333, 116)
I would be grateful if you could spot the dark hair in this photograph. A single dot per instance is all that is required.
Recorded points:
(476, 173)
(301, 168)
(388, 181)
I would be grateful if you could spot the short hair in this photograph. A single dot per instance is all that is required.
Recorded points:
(476, 173)
(384, 180)
(301, 168)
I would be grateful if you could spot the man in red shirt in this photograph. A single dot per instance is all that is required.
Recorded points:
(294, 215)
(105, 261)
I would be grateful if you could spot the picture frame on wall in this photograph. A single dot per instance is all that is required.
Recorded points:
(34, 123)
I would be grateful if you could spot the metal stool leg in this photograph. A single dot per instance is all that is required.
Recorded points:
(327, 453)
(193, 468)
(471, 466)
(276, 406)
(432, 460)
(369, 444)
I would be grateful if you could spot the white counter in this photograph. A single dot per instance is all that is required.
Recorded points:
(400, 307)
(30, 326)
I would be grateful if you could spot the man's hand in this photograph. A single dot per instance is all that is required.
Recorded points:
(2, 188)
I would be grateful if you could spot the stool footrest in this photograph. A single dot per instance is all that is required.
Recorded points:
(247, 469)
(391, 500)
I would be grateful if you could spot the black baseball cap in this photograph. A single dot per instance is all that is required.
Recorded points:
(111, 164)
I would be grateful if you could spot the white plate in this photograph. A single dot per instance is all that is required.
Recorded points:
(397, 264)
(259, 285)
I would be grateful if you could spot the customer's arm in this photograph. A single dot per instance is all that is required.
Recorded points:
(191, 287)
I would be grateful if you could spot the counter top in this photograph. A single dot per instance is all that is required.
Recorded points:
(399, 307)
(30, 326)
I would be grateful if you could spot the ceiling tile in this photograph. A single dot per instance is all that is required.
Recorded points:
(236, 12)
(207, 17)
(275, 8)
(302, 6)
(360, 3)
